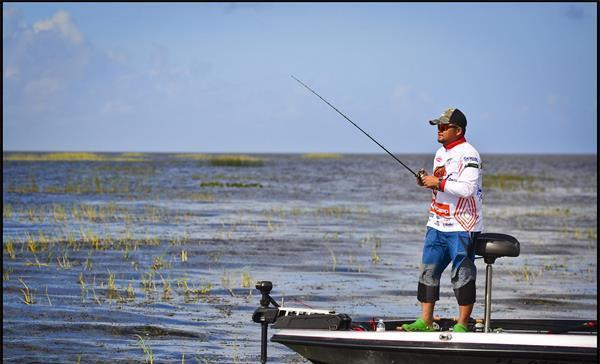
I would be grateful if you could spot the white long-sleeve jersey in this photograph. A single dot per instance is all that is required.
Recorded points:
(457, 205)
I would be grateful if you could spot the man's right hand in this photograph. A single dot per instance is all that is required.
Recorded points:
(422, 173)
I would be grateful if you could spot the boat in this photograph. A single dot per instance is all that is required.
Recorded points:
(327, 337)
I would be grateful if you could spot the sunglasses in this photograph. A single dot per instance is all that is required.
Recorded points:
(444, 127)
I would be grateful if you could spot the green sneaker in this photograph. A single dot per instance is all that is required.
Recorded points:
(419, 326)
(460, 328)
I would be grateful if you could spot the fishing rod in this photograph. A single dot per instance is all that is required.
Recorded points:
(419, 176)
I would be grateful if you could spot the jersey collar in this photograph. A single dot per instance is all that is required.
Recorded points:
(455, 143)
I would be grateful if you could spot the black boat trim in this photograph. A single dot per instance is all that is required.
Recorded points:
(438, 348)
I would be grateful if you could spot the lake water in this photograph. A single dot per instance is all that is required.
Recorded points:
(103, 259)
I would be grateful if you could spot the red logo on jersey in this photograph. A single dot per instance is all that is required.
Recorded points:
(440, 209)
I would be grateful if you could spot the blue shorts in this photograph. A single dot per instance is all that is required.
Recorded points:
(439, 250)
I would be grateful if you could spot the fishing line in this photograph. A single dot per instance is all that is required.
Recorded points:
(358, 127)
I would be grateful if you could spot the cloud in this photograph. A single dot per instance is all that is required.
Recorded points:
(51, 72)
(61, 22)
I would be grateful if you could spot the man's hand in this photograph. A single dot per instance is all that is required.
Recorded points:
(432, 182)
(422, 173)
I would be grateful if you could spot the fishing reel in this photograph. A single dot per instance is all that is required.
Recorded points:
(422, 173)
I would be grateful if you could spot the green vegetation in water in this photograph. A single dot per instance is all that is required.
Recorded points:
(193, 156)
(510, 182)
(322, 156)
(72, 157)
(148, 355)
(236, 161)
(229, 184)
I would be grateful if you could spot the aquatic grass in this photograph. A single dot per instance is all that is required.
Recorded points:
(236, 161)
(375, 258)
(511, 182)
(36, 264)
(321, 156)
(32, 244)
(337, 211)
(205, 197)
(111, 291)
(88, 264)
(148, 282)
(73, 157)
(59, 213)
(53, 157)
(48, 297)
(6, 274)
(192, 156)
(7, 211)
(130, 292)
(158, 262)
(10, 249)
(63, 261)
(226, 282)
(549, 212)
(526, 274)
(167, 291)
(28, 298)
(184, 255)
(148, 355)
(82, 285)
(333, 259)
(230, 184)
(203, 290)
(246, 280)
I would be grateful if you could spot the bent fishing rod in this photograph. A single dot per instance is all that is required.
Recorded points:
(419, 176)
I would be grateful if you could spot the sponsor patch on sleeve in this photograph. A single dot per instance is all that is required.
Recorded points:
(474, 165)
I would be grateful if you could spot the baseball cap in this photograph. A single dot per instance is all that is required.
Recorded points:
(451, 116)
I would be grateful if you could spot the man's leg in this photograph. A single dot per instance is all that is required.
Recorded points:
(464, 274)
(464, 312)
(433, 262)
(427, 312)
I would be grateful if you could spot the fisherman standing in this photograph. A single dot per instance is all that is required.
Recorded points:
(455, 218)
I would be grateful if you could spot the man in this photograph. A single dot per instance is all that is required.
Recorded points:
(455, 217)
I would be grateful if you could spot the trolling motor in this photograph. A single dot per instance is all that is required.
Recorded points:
(265, 315)
(491, 246)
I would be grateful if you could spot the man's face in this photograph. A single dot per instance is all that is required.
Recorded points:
(447, 133)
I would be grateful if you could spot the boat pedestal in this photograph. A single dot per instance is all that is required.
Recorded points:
(491, 246)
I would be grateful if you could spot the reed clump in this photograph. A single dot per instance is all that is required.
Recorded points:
(236, 161)
(74, 157)
(54, 157)
(27, 294)
(230, 184)
(510, 182)
(192, 156)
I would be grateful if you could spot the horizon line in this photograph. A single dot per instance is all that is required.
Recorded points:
(293, 152)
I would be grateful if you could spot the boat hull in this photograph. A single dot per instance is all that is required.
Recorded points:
(426, 348)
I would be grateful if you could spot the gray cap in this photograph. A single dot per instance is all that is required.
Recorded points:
(451, 116)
